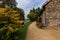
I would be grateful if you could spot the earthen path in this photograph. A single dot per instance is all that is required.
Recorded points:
(35, 33)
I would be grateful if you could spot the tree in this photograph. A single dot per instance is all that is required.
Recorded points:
(31, 16)
(38, 11)
(21, 13)
(34, 14)
(9, 24)
(10, 3)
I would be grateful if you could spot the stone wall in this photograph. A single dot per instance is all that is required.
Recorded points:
(52, 13)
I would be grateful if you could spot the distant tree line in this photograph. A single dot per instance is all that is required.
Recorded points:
(34, 14)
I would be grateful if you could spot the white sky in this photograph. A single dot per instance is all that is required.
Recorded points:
(26, 5)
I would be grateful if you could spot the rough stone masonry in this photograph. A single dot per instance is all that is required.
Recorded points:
(52, 13)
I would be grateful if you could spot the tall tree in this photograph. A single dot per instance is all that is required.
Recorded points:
(34, 14)
(10, 3)
(38, 11)
(31, 16)
(21, 13)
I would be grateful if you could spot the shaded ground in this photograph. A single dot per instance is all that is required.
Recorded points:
(34, 33)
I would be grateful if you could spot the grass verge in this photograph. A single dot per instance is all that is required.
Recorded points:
(23, 30)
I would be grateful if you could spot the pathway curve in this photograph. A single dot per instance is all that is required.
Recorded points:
(35, 33)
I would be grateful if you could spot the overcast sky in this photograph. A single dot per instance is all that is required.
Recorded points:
(26, 5)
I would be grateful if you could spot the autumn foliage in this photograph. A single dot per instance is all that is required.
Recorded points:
(9, 24)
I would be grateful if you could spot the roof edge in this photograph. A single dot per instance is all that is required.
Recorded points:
(48, 1)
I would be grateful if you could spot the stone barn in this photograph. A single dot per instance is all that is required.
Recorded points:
(51, 13)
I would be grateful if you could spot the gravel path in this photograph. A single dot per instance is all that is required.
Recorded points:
(35, 33)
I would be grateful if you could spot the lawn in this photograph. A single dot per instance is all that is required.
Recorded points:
(23, 30)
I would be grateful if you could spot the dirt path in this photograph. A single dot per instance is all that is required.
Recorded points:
(35, 33)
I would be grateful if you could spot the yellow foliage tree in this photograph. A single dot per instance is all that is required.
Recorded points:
(9, 22)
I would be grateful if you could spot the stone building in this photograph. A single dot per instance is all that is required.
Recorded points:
(51, 14)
